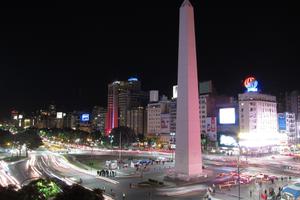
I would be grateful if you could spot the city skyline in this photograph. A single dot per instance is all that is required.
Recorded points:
(64, 57)
(86, 88)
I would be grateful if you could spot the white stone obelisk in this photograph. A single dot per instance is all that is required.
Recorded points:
(188, 160)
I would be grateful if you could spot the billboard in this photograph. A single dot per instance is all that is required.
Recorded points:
(281, 121)
(165, 123)
(211, 128)
(175, 91)
(59, 115)
(227, 116)
(205, 87)
(85, 117)
(251, 84)
(227, 140)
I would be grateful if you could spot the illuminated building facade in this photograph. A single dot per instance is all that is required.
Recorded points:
(258, 118)
(98, 118)
(122, 96)
(137, 120)
(257, 112)
(287, 125)
(157, 114)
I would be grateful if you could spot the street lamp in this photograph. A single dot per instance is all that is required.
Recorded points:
(238, 166)
(120, 145)
(111, 140)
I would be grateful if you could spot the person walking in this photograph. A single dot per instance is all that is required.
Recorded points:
(264, 195)
(214, 188)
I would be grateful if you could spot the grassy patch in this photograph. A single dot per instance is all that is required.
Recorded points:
(14, 159)
(150, 183)
(73, 161)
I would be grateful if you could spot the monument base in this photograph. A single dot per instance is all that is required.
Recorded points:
(203, 177)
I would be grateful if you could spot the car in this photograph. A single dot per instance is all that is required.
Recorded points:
(75, 180)
(221, 175)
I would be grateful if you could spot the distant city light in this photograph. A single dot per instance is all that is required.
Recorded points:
(132, 79)
(227, 140)
(59, 115)
(116, 82)
(175, 91)
(261, 139)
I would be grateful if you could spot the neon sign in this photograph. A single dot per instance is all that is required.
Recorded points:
(251, 84)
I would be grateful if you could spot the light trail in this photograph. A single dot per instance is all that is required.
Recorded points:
(5, 177)
(62, 161)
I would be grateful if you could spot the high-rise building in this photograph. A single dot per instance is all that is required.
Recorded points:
(287, 125)
(172, 109)
(154, 95)
(257, 117)
(122, 96)
(98, 118)
(258, 113)
(71, 120)
(290, 102)
(158, 116)
(137, 120)
(188, 160)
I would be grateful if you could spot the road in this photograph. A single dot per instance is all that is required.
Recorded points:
(49, 164)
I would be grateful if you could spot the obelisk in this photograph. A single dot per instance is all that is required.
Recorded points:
(188, 160)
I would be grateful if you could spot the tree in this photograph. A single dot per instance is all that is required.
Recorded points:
(44, 189)
(30, 138)
(127, 134)
(6, 138)
(40, 189)
(77, 192)
(8, 192)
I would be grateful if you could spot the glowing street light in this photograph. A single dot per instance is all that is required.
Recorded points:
(111, 140)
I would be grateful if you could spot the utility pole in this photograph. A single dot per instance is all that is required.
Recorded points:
(120, 145)
(238, 168)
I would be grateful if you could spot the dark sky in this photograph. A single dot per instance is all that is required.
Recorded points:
(67, 52)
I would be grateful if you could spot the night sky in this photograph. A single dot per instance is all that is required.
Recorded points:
(67, 52)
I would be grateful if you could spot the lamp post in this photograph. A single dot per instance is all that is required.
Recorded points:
(120, 145)
(111, 140)
(238, 167)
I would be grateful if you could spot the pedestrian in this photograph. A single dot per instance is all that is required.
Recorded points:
(250, 193)
(210, 190)
(207, 194)
(214, 188)
(123, 196)
(265, 195)
(279, 193)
